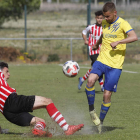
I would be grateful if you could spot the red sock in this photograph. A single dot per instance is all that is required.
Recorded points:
(57, 116)
(86, 75)
(40, 125)
(101, 82)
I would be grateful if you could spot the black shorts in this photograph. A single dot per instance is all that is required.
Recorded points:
(93, 58)
(16, 109)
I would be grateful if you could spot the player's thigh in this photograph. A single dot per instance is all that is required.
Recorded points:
(35, 120)
(98, 68)
(111, 79)
(41, 102)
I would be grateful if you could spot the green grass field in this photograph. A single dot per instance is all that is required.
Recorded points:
(122, 121)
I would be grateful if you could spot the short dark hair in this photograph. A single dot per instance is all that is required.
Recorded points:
(98, 13)
(2, 65)
(109, 6)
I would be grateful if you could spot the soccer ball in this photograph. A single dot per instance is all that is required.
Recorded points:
(71, 68)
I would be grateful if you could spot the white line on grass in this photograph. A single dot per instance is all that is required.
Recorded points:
(90, 67)
(129, 71)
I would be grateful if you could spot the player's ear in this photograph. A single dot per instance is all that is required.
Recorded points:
(115, 13)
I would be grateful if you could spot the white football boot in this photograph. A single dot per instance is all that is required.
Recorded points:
(96, 120)
(99, 127)
(94, 117)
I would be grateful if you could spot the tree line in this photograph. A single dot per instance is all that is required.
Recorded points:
(13, 9)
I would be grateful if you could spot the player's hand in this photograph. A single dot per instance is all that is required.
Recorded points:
(95, 47)
(86, 42)
(113, 45)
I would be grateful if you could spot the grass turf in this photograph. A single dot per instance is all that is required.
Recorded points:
(121, 123)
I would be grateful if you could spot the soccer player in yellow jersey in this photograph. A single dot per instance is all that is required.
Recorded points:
(116, 33)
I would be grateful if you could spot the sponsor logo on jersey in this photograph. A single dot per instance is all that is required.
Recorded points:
(110, 36)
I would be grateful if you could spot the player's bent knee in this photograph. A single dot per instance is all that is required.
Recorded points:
(107, 96)
(48, 101)
(41, 102)
(90, 82)
(35, 120)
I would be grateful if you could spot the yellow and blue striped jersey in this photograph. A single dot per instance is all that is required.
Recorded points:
(113, 32)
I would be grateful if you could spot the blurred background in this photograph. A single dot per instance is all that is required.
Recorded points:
(43, 31)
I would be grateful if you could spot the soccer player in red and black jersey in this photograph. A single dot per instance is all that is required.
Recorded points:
(95, 32)
(15, 108)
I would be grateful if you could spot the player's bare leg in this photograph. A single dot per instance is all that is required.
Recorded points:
(42, 102)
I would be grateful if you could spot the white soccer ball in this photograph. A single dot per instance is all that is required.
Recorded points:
(71, 68)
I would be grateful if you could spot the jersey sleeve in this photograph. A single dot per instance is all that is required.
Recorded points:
(126, 27)
(86, 30)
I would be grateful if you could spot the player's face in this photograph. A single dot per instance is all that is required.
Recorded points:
(110, 16)
(6, 73)
(99, 19)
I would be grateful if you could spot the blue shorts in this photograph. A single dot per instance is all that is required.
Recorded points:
(112, 75)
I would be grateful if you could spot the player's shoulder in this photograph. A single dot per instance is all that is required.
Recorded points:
(123, 23)
(121, 19)
(92, 25)
(104, 22)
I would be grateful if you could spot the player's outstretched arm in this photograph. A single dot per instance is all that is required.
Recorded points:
(131, 38)
(85, 39)
(84, 34)
(96, 46)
